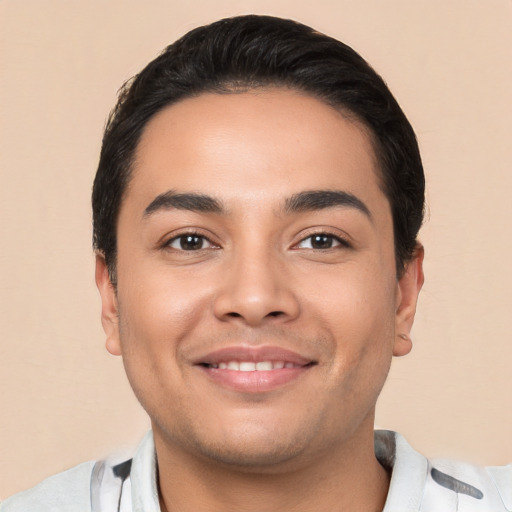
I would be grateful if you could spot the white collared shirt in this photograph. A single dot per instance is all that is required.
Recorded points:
(417, 484)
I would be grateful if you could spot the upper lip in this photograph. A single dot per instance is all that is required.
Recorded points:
(253, 354)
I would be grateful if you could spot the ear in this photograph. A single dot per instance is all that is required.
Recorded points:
(409, 286)
(109, 309)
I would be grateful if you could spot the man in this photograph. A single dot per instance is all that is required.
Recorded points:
(256, 211)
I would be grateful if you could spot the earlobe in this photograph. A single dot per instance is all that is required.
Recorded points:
(409, 286)
(402, 346)
(109, 309)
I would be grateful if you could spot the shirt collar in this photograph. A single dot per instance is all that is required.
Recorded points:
(408, 473)
(143, 477)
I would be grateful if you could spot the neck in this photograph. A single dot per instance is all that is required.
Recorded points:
(347, 478)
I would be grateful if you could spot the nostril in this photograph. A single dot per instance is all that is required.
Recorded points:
(233, 314)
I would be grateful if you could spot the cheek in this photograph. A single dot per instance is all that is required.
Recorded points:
(352, 300)
(356, 310)
(155, 317)
(159, 294)
(157, 310)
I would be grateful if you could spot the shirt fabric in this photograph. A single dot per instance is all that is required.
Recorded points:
(417, 484)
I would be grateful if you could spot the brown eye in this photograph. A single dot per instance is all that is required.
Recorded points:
(189, 242)
(322, 241)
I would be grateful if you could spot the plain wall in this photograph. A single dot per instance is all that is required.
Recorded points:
(64, 400)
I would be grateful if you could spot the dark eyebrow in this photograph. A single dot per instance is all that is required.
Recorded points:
(320, 199)
(186, 201)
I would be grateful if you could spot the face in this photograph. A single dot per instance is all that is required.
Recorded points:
(257, 307)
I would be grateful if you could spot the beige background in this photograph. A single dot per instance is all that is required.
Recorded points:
(63, 399)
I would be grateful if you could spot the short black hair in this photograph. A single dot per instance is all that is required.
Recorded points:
(251, 52)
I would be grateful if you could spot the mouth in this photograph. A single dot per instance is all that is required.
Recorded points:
(251, 366)
(254, 369)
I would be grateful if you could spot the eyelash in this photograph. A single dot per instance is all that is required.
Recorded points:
(331, 238)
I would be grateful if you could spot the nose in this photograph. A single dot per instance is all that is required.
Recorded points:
(256, 290)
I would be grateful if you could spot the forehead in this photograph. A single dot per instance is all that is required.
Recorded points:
(262, 144)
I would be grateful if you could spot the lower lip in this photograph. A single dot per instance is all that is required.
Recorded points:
(255, 381)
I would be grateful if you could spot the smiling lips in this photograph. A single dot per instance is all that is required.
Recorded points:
(251, 366)
(254, 369)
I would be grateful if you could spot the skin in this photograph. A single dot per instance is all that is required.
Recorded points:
(259, 280)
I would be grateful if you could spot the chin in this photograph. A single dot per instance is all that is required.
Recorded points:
(252, 454)
(243, 446)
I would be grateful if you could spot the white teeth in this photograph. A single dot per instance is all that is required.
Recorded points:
(250, 366)
(247, 367)
(264, 366)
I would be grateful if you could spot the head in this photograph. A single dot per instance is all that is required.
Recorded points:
(257, 201)
(249, 53)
